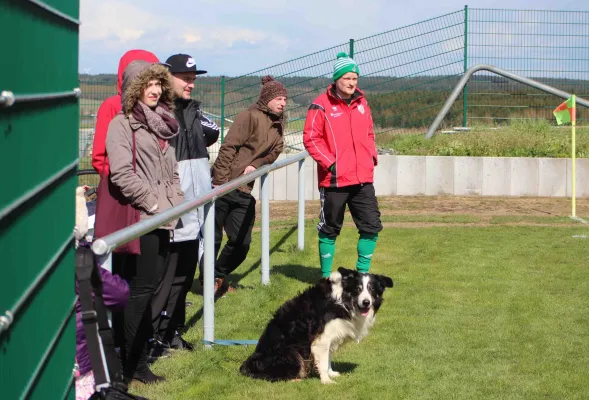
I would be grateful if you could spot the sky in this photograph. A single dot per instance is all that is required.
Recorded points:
(235, 37)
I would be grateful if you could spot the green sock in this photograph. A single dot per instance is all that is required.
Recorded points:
(366, 246)
(326, 253)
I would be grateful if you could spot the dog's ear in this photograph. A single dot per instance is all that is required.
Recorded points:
(385, 280)
(335, 277)
(346, 273)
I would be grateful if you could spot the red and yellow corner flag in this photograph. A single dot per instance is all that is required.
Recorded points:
(566, 112)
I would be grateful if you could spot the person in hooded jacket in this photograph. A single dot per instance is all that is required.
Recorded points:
(144, 128)
(108, 109)
(111, 107)
(197, 132)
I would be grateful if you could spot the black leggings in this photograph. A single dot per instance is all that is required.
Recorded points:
(143, 272)
(174, 316)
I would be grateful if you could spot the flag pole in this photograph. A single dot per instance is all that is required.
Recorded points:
(573, 159)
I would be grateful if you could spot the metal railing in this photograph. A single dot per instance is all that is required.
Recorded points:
(103, 247)
(8, 99)
(506, 74)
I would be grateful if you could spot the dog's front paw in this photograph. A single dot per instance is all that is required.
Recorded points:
(333, 374)
(327, 381)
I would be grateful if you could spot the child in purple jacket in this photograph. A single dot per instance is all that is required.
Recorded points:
(115, 292)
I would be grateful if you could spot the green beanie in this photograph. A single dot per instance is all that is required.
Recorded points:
(343, 65)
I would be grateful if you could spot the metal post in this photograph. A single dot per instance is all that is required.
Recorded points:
(265, 198)
(222, 108)
(105, 261)
(209, 276)
(464, 91)
(301, 219)
(574, 160)
(509, 75)
(351, 48)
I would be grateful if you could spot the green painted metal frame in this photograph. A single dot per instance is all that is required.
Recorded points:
(39, 121)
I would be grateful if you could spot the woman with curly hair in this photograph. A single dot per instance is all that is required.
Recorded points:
(143, 167)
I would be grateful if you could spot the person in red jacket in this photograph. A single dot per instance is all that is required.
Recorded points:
(339, 135)
(111, 107)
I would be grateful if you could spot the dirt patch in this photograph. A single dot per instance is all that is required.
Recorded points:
(484, 208)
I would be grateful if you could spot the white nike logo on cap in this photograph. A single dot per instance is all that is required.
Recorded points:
(190, 62)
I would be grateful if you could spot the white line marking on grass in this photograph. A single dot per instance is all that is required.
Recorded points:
(579, 219)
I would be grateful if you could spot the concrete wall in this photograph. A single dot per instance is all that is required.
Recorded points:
(458, 176)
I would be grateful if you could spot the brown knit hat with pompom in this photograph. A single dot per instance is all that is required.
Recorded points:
(271, 89)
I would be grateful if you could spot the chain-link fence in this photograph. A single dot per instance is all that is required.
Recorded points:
(95, 89)
(549, 46)
(407, 73)
(304, 78)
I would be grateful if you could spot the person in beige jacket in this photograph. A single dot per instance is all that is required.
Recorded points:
(254, 140)
(142, 130)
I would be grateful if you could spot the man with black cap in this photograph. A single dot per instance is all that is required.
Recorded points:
(197, 132)
(255, 139)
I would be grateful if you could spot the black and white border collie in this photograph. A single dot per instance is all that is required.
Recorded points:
(306, 330)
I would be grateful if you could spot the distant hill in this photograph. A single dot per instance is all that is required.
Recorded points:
(396, 102)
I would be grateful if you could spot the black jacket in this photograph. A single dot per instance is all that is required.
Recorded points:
(197, 132)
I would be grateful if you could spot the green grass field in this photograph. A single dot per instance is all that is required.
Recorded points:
(477, 312)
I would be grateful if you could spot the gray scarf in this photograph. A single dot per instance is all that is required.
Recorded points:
(161, 120)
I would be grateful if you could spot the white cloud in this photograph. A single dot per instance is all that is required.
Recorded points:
(234, 37)
(116, 23)
(189, 38)
(257, 5)
(107, 19)
(225, 36)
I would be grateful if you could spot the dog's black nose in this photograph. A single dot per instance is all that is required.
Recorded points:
(366, 303)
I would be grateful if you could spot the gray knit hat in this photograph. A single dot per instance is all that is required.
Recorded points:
(343, 65)
(271, 89)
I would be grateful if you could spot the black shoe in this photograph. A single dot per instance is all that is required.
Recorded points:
(145, 376)
(157, 349)
(157, 355)
(178, 343)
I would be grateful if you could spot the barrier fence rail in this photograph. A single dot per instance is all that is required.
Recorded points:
(501, 72)
(104, 246)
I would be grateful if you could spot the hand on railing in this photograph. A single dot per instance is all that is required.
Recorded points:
(248, 169)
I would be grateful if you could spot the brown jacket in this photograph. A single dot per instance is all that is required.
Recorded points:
(255, 138)
(156, 180)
